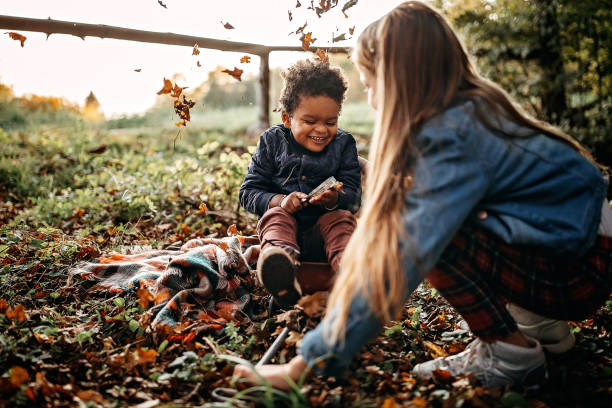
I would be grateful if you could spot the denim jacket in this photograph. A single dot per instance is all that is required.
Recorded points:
(534, 190)
(280, 165)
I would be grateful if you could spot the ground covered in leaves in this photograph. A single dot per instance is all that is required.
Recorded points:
(66, 342)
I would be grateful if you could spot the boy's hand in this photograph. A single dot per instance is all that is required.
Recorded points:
(328, 199)
(293, 202)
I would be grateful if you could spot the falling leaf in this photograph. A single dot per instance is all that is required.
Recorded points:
(340, 37)
(177, 90)
(162, 4)
(17, 37)
(167, 87)
(276, 110)
(182, 109)
(352, 30)
(236, 73)
(298, 4)
(322, 55)
(301, 29)
(307, 40)
(138, 69)
(290, 15)
(181, 123)
(202, 209)
(227, 25)
(232, 230)
(245, 59)
(198, 63)
(196, 51)
(347, 6)
(19, 375)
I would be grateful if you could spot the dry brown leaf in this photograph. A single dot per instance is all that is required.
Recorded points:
(145, 356)
(195, 51)
(322, 55)
(167, 88)
(314, 305)
(290, 15)
(434, 350)
(227, 25)
(340, 37)
(202, 209)
(90, 396)
(138, 69)
(236, 73)
(181, 123)
(17, 313)
(307, 40)
(232, 230)
(19, 375)
(245, 59)
(177, 90)
(390, 403)
(198, 63)
(17, 37)
(347, 6)
(352, 30)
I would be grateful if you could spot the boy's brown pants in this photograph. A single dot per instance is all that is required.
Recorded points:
(325, 240)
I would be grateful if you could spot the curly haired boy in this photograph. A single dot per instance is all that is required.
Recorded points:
(290, 161)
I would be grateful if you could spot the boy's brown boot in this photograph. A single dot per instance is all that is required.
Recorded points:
(276, 271)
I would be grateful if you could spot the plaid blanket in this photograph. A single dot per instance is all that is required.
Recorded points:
(200, 282)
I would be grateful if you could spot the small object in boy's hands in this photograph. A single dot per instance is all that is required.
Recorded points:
(329, 184)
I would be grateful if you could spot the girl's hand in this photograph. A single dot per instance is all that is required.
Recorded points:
(328, 198)
(293, 202)
(275, 374)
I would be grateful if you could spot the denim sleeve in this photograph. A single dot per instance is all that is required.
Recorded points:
(350, 176)
(257, 189)
(449, 180)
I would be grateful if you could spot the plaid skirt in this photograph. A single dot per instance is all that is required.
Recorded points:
(478, 274)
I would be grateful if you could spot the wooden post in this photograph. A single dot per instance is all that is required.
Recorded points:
(263, 92)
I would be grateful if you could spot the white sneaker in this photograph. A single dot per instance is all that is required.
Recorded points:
(493, 364)
(554, 335)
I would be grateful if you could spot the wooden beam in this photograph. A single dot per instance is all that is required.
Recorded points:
(263, 93)
(81, 30)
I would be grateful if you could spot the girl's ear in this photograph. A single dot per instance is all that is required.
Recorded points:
(286, 119)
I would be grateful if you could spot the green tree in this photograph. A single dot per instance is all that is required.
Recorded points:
(551, 55)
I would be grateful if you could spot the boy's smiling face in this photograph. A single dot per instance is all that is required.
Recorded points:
(314, 123)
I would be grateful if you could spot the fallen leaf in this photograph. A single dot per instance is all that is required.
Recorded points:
(16, 313)
(307, 40)
(314, 305)
(232, 230)
(143, 357)
(3, 305)
(434, 350)
(19, 375)
(17, 37)
(419, 401)
(90, 396)
(202, 209)
(390, 403)
(167, 87)
(293, 339)
(227, 25)
(442, 376)
(224, 247)
(144, 297)
(196, 51)
(236, 73)
(245, 59)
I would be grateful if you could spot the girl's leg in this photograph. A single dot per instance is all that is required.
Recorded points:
(336, 229)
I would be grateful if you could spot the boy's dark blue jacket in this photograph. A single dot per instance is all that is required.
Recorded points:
(280, 165)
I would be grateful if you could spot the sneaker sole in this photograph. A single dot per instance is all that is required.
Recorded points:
(276, 273)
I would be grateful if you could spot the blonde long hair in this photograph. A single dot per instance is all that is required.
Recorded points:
(421, 69)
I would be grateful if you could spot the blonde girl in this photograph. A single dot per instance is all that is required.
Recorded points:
(505, 215)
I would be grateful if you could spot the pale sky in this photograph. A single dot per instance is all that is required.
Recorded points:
(69, 67)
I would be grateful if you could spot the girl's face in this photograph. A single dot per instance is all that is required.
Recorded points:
(314, 123)
(369, 81)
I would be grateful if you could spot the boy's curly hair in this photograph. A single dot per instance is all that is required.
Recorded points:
(311, 78)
